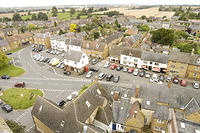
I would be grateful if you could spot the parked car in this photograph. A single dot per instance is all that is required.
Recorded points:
(195, 85)
(118, 68)
(183, 82)
(51, 51)
(109, 77)
(175, 80)
(42, 59)
(147, 75)
(62, 55)
(102, 76)
(107, 64)
(67, 73)
(116, 78)
(57, 52)
(142, 73)
(62, 66)
(94, 61)
(5, 77)
(20, 84)
(125, 69)
(9, 53)
(38, 58)
(54, 52)
(6, 107)
(94, 69)
(136, 71)
(59, 64)
(89, 74)
(154, 78)
(49, 59)
(61, 103)
(69, 98)
(168, 79)
(162, 78)
(113, 67)
(48, 51)
(130, 70)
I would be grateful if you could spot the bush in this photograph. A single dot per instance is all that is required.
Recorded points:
(15, 127)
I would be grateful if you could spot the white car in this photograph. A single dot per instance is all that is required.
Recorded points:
(59, 64)
(195, 85)
(147, 75)
(154, 78)
(102, 76)
(89, 74)
(125, 69)
(69, 98)
(36, 56)
(136, 71)
(107, 64)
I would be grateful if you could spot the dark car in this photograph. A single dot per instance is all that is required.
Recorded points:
(116, 78)
(61, 103)
(118, 68)
(7, 108)
(20, 84)
(49, 59)
(5, 77)
(175, 80)
(48, 51)
(109, 77)
(94, 69)
(94, 61)
(67, 73)
(33, 49)
(161, 78)
(8, 53)
(142, 73)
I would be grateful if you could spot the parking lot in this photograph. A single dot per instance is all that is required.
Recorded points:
(125, 77)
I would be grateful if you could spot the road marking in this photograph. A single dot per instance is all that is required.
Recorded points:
(22, 115)
(29, 129)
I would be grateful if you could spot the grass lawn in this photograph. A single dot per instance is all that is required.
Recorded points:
(15, 50)
(11, 70)
(13, 97)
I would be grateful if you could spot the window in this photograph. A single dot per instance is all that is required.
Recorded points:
(197, 67)
(87, 103)
(172, 66)
(145, 62)
(160, 121)
(135, 60)
(157, 128)
(83, 56)
(82, 62)
(156, 63)
(150, 62)
(124, 62)
(125, 58)
(195, 74)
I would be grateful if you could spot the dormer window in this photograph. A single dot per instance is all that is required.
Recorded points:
(97, 46)
(62, 123)
(198, 61)
(87, 103)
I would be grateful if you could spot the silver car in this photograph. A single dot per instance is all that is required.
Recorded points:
(136, 72)
(89, 74)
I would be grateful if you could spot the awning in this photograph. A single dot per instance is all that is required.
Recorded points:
(156, 69)
(144, 66)
(164, 70)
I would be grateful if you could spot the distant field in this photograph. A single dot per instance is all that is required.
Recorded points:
(139, 12)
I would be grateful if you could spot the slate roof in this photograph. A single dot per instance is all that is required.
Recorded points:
(161, 112)
(4, 42)
(73, 55)
(116, 50)
(195, 26)
(192, 107)
(75, 42)
(58, 38)
(94, 45)
(18, 37)
(112, 37)
(74, 113)
(155, 57)
(133, 52)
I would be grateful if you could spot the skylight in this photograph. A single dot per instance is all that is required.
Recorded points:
(88, 104)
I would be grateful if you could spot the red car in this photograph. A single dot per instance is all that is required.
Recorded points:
(130, 70)
(20, 84)
(183, 82)
(113, 67)
(175, 80)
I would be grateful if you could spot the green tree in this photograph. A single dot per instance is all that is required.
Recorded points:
(143, 17)
(61, 32)
(78, 16)
(83, 11)
(29, 13)
(72, 11)
(90, 10)
(163, 36)
(42, 16)
(3, 59)
(143, 27)
(16, 17)
(6, 19)
(117, 25)
(22, 29)
(34, 17)
(15, 127)
(54, 11)
(183, 17)
(31, 27)
(55, 24)
(63, 10)
(96, 34)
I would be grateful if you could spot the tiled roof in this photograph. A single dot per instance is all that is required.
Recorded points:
(4, 42)
(155, 57)
(94, 45)
(132, 52)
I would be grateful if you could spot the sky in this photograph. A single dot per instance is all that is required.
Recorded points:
(24, 3)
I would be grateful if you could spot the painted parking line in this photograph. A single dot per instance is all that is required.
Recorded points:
(29, 128)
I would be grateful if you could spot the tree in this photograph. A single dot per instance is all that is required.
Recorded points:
(83, 11)
(72, 11)
(61, 32)
(29, 13)
(112, 13)
(143, 17)
(90, 10)
(78, 16)
(22, 29)
(54, 11)
(63, 10)
(34, 17)
(117, 25)
(6, 19)
(15, 127)
(55, 24)
(96, 34)
(16, 17)
(73, 27)
(144, 27)
(183, 17)
(163, 36)
(31, 27)
(42, 16)
(3, 59)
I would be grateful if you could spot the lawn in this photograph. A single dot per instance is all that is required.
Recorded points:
(15, 50)
(14, 97)
(11, 70)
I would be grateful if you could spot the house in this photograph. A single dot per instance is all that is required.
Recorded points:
(4, 45)
(113, 39)
(154, 61)
(75, 44)
(42, 40)
(76, 61)
(6, 32)
(95, 49)
(166, 25)
(132, 31)
(58, 43)
(131, 57)
(20, 40)
(90, 112)
(115, 53)
(195, 27)
(134, 40)
(4, 127)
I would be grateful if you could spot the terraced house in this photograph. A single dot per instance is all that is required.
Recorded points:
(95, 49)
(4, 45)
(42, 40)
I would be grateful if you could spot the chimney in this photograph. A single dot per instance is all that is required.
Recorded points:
(116, 96)
(137, 91)
(192, 51)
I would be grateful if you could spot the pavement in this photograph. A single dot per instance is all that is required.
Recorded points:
(57, 86)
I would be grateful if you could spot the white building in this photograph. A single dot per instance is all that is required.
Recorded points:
(76, 61)
(58, 43)
(75, 44)
(131, 57)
